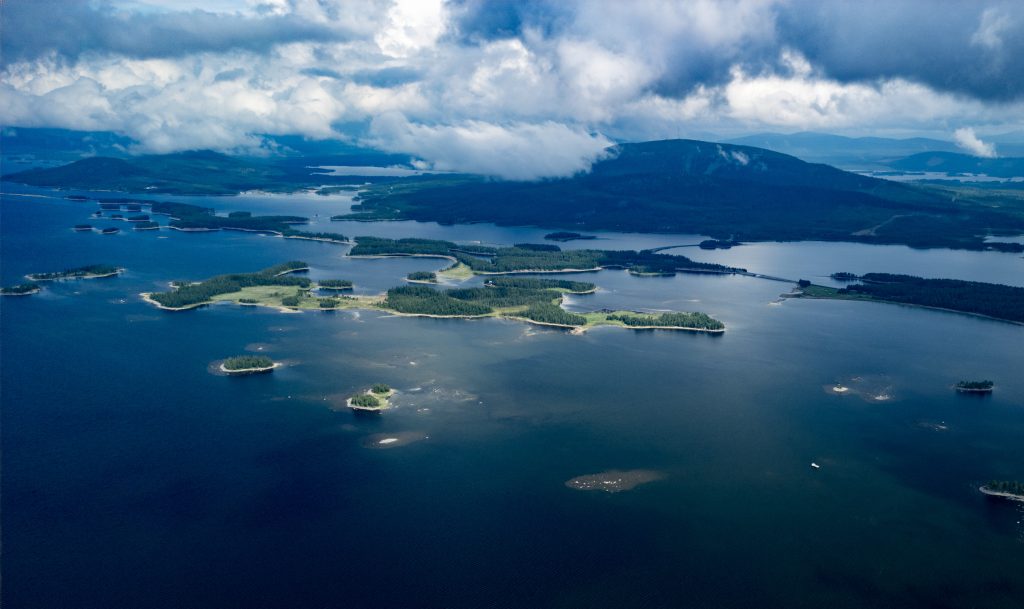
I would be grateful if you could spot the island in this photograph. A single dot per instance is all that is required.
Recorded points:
(195, 218)
(567, 236)
(1014, 491)
(110, 231)
(24, 289)
(613, 480)
(975, 386)
(148, 225)
(185, 295)
(528, 299)
(92, 271)
(509, 260)
(421, 277)
(83, 227)
(992, 300)
(247, 364)
(374, 399)
(717, 244)
(334, 284)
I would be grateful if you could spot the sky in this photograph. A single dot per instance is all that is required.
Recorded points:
(524, 90)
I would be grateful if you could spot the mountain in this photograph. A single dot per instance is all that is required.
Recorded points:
(955, 163)
(722, 190)
(856, 153)
(671, 186)
(194, 172)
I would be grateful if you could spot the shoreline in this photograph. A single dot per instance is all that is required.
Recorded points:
(905, 304)
(245, 371)
(33, 277)
(35, 291)
(147, 297)
(1010, 496)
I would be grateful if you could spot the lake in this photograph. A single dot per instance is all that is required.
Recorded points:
(133, 477)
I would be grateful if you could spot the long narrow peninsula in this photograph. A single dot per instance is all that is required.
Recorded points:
(992, 300)
(527, 299)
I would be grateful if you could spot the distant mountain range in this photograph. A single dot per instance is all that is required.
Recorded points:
(955, 163)
(673, 186)
(864, 152)
(723, 190)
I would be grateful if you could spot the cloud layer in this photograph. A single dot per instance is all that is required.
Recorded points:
(512, 89)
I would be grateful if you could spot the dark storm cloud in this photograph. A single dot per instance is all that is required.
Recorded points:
(970, 48)
(68, 27)
(958, 46)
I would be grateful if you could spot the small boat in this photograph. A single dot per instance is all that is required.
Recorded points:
(815, 465)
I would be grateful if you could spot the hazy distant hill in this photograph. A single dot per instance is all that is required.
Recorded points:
(679, 186)
(721, 190)
(859, 152)
(194, 172)
(951, 162)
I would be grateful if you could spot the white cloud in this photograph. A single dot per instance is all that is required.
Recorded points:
(541, 102)
(517, 151)
(966, 139)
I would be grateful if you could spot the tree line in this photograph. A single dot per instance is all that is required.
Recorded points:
(992, 299)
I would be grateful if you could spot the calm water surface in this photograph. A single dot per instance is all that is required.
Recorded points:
(132, 477)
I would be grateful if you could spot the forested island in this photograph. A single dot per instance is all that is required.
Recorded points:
(567, 236)
(1006, 489)
(374, 399)
(247, 364)
(92, 271)
(334, 284)
(993, 300)
(975, 386)
(195, 218)
(504, 260)
(421, 277)
(24, 289)
(528, 299)
(189, 295)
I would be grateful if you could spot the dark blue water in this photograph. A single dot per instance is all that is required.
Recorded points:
(132, 477)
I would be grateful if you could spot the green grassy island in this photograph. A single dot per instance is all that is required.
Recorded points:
(1004, 488)
(92, 271)
(997, 301)
(334, 284)
(24, 289)
(189, 295)
(248, 364)
(374, 399)
(975, 386)
(421, 277)
(528, 299)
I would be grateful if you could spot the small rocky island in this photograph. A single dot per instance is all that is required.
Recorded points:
(1007, 489)
(614, 480)
(24, 289)
(568, 236)
(92, 271)
(975, 386)
(374, 399)
(247, 364)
